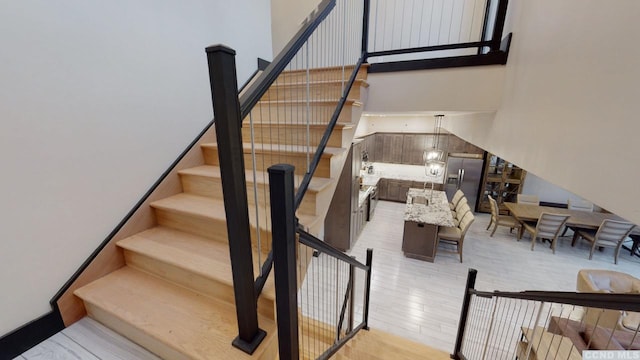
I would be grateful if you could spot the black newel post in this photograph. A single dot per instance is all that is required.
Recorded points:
(367, 290)
(226, 110)
(471, 283)
(498, 27)
(283, 230)
(365, 29)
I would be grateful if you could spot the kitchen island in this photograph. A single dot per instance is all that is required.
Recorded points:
(423, 215)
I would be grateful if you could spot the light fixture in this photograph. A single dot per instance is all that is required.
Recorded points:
(433, 158)
(434, 153)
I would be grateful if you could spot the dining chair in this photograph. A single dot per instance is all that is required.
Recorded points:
(457, 196)
(548, 227)
(611, 233)
(462, 211)
(455, 235)
(579, 205)
(459, 206)
(500, 220)
(528, 199)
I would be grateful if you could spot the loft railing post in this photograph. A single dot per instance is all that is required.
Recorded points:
(498, 27)
(283, 230)
(367, 289)
(471, 283)
(226, 110)
(352, 295)
(365, 29)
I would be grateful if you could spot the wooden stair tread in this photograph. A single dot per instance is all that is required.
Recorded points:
(282, 148)
(317, 183)
(287, 83)
(386, 346)
(327, 68)
(187, 322)
(193, 253)
(205, 207)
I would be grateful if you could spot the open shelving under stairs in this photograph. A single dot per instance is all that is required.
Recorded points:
(174, 295)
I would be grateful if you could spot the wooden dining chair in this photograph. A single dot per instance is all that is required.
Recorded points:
(528, 199)
(458, 206)
(457, 196)
(500, 220)
(455, 235)
(611, 233)
(548, 227)
(462, 211)
(579, 205)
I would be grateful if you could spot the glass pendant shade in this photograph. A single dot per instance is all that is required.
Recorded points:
(434, 168)
(432, 154)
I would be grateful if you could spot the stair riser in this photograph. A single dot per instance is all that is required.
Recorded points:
(264, 161)
(293, 135)
(298, 92)
(206, 227)
(133, 333)
(321, 74)
(212, 187)
(193, 281)
(319, 113)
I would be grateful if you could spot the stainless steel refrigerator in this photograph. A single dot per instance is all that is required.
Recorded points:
(464, 172)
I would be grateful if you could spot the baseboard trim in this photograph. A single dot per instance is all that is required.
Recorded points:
(27, 336)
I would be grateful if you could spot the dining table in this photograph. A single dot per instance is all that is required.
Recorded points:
(590, 220)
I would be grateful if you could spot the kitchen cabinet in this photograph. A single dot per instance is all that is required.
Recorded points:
(346, 216)
(413, 146)
(383, 186)
(392, 148)
(502, 180)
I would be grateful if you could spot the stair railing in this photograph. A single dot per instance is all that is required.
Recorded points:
(285, 120)
(309, 287)
(402, 31)
(543, 324)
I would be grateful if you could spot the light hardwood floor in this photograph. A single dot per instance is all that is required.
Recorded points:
(421, 301)
(410, 298)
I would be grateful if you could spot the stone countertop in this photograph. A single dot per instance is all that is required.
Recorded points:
(437, 212)
(397, 172)
(362, 196)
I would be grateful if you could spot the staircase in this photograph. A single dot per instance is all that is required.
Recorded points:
(378, 345)
(174, 296)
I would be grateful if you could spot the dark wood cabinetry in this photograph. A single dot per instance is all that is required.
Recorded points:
(413, 146)
(502, 180)
(392, 148)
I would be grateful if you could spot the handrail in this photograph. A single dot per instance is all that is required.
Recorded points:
(338, 344)
(432, 48)
(304, 185)
(249, 99)
(343, 309)
(314, 242)
(626, 302)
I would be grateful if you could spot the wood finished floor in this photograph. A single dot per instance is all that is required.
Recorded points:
(410, 298)
(421, 301)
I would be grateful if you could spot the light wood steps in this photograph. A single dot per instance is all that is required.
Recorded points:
(325, 88)
(296, 134)
(323, 73)
(191, 261)
(376, 344)
(267, 155)
(203, 216)
(205, 181)
(167, 319)
(320, 111)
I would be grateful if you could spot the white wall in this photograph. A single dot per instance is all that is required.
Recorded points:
(477, 88)
(97, 99)
(570, 107)
(395, 123)
(287, 17)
